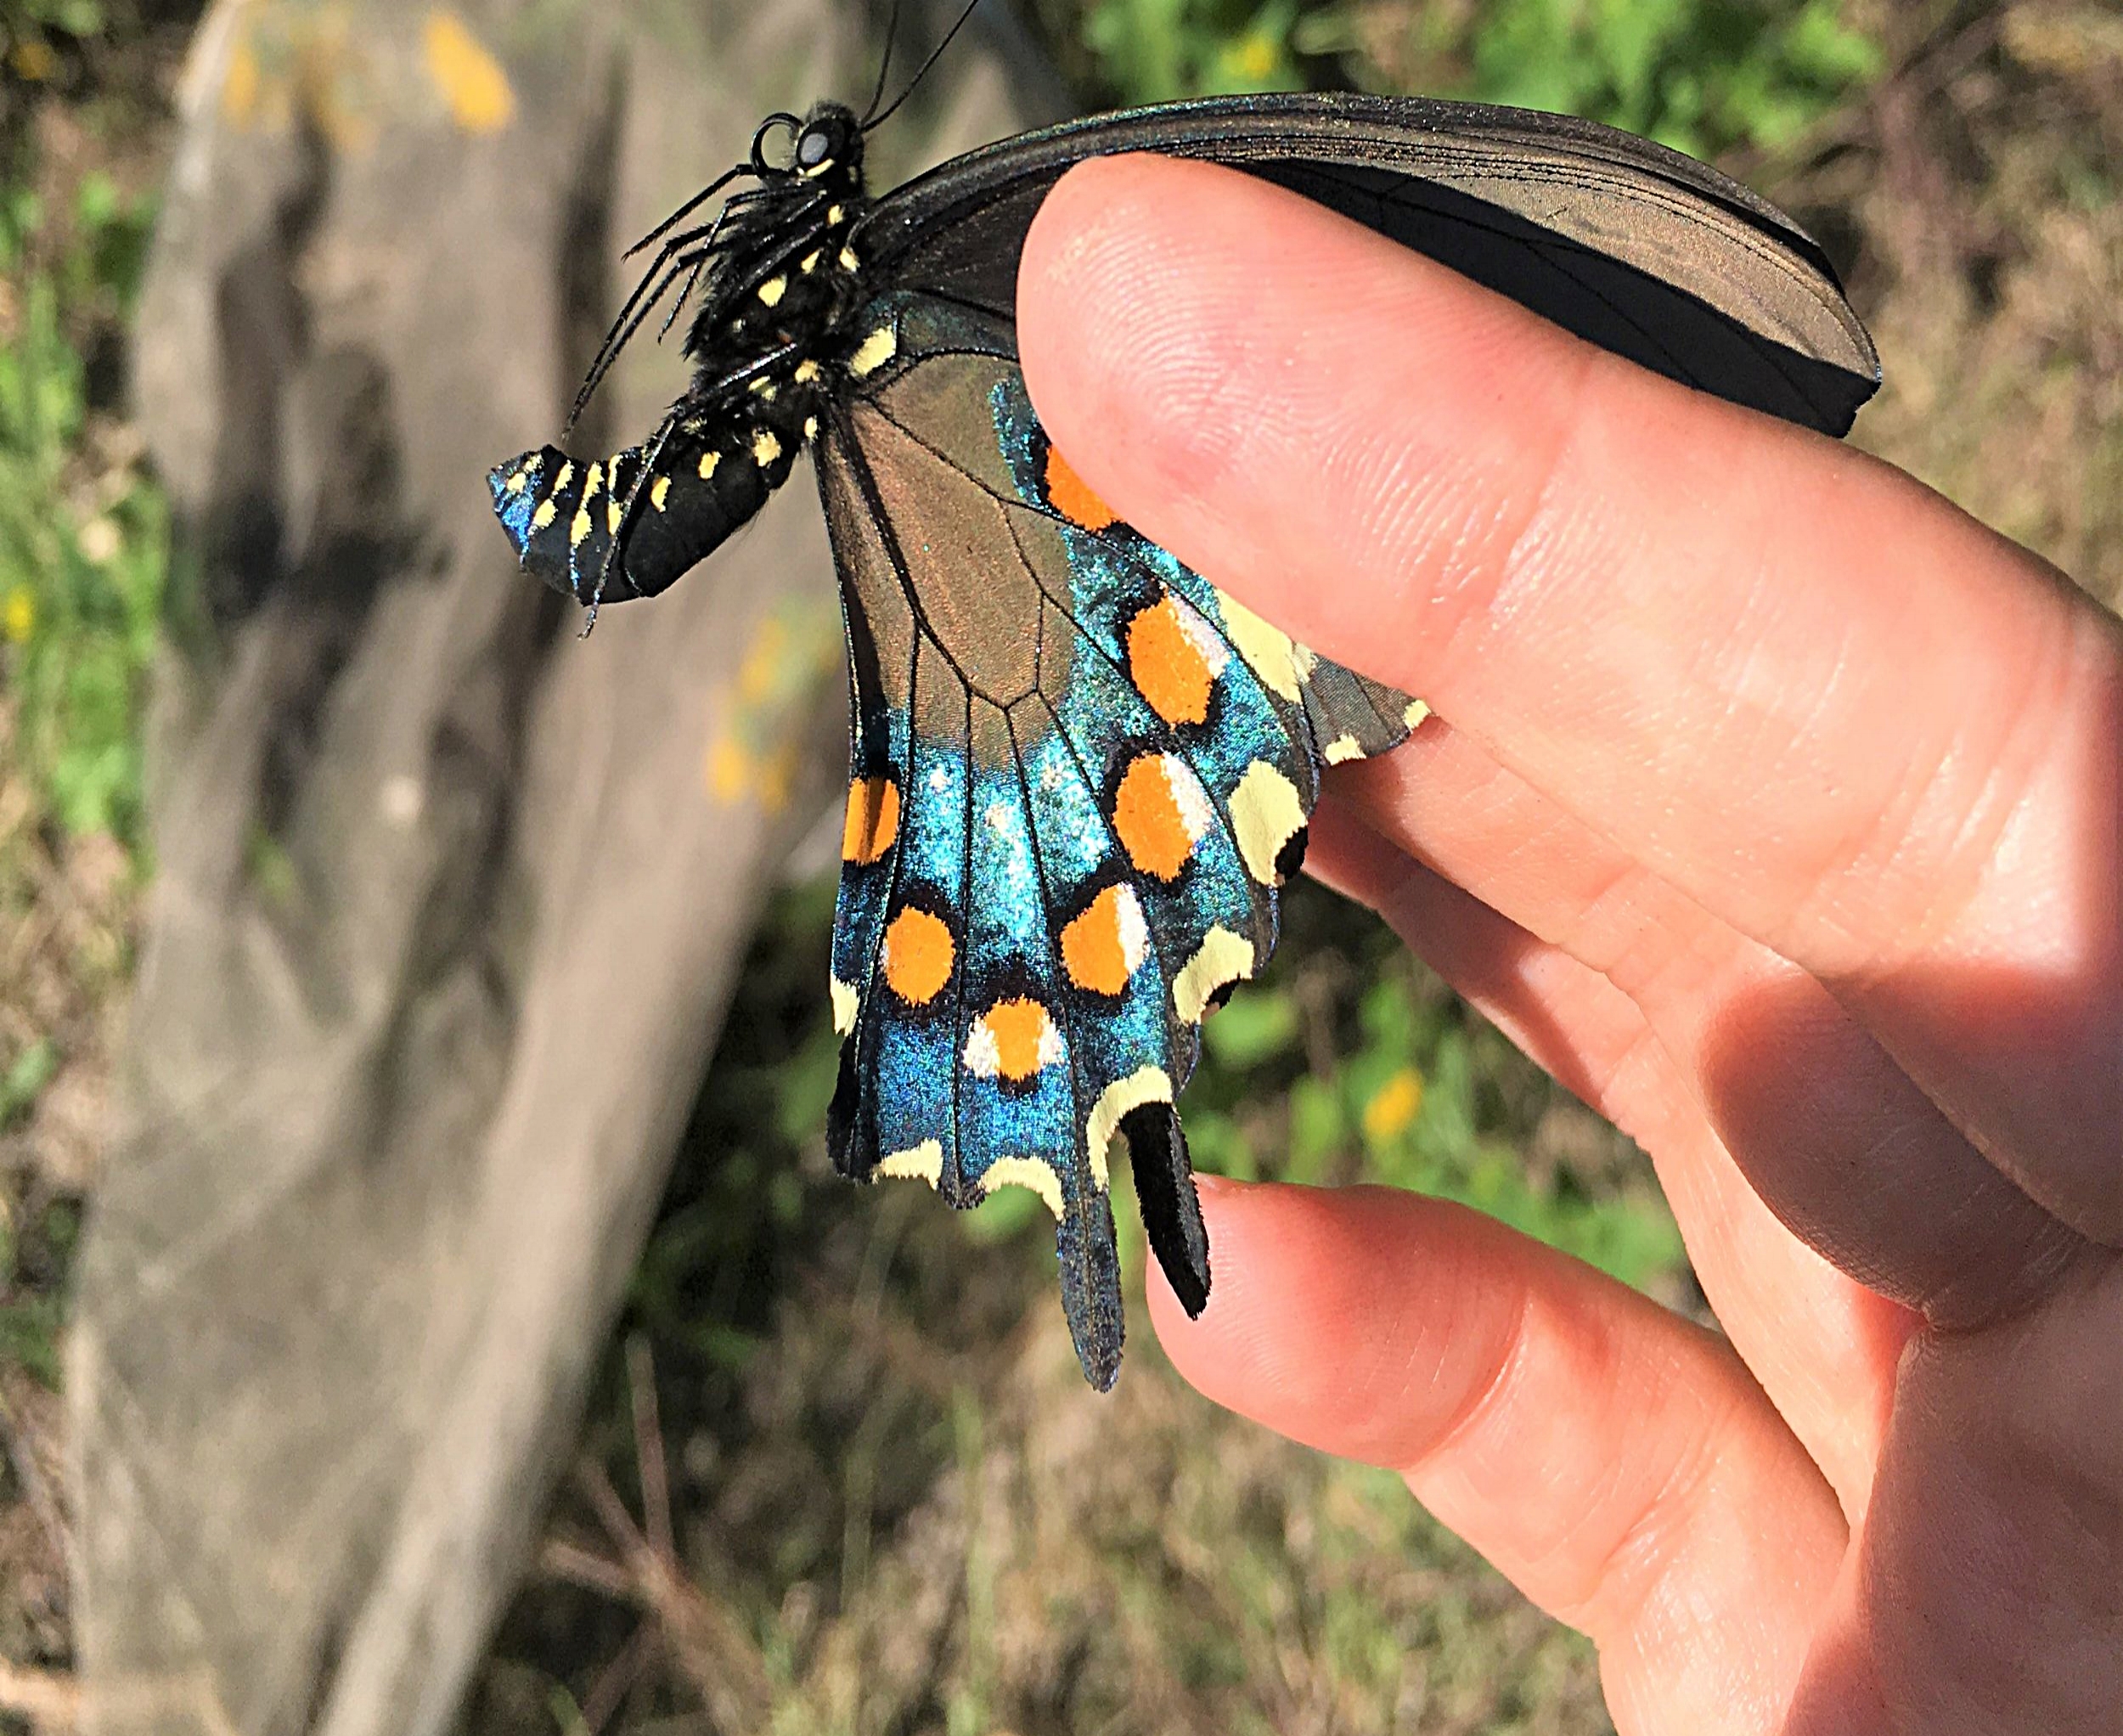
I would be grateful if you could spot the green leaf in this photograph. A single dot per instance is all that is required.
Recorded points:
(1252, 1029)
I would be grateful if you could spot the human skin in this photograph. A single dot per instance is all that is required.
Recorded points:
(1780, 816)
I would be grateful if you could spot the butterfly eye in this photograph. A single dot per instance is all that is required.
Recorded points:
(814, 148)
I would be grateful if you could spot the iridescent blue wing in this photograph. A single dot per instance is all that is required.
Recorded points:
(1079, 776)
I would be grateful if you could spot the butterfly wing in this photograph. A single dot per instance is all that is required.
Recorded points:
(1079, 775)
(1644, 251)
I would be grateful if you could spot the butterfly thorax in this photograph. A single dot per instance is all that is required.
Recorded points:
(787, 273)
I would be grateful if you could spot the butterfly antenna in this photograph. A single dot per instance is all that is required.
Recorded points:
(884, 66)
(922, 72)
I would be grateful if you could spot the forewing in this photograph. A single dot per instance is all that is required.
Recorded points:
(1644, 251)
(1068, 819)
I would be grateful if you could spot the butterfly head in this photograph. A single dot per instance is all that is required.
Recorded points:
(828, 145)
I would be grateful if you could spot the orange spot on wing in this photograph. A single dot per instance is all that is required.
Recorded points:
(918, 956)
(1146, 814)
(1023, 1036)
(1167, 667)
(1071, 496)
(873, 820)
(1096, 946)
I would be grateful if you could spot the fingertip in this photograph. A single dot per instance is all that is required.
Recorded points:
(1101, 319)
(1327, 1303)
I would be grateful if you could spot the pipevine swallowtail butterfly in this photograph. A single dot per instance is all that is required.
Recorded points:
(1078, 772)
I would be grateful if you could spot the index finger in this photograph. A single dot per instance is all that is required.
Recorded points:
(1847, 719)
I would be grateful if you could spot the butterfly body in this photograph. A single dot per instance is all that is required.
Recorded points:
(768, 343)
(1078, 773)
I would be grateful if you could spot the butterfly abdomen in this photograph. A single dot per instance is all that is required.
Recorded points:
(670, 502)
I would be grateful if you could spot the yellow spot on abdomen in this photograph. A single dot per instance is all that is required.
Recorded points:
(1159, 813)
(873, 820)
(1013, 1040)
(765, 448)
(918, 956)
(1102, 947)
(1071, 496)
(709, 461)
(471, 81)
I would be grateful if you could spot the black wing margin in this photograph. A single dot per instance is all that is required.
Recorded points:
(1642, 251)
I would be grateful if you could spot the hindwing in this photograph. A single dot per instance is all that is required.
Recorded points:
(1079, 776)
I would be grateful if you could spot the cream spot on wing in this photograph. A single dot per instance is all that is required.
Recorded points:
(810, 261)
(563, 476)
(773, 290)
(1035, 1172)
(520, 481)
(848, 261)
(1416, 712)
(1223, 957)
(548, 511)
(923, 1162)
(660, 493)
(765, 448)
(613, 513)
(846, 1004)
(1266, 813)
(579, 529)
(806, 370)
(1268, 651)
(709, 461)
(1342, 747)
(1147, 1085)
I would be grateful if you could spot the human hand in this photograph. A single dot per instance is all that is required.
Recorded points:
(1780, 814)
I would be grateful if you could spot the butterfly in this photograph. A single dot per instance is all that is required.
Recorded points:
(1080, 773)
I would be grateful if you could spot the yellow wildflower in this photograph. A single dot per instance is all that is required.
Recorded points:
(1391, 1109)
(18, 614)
